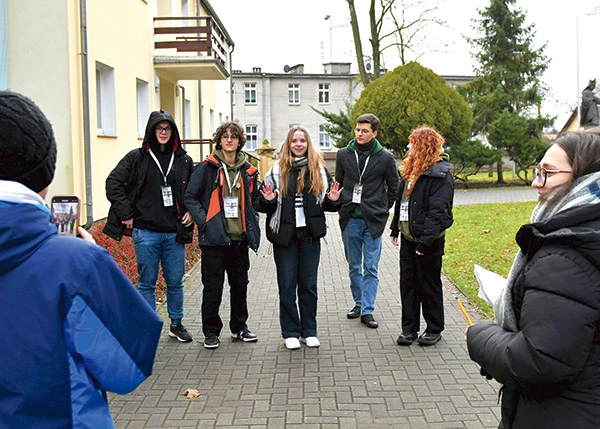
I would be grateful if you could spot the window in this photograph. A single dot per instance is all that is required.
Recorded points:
(250, 93)
(324, 138)
(143, 103)
(293, 93)
(187, 119)
(106, 115)
(251, 137)
(324, 93)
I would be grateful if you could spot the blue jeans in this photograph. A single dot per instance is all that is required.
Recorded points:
(362, 254)
(151, 248)
(297, 269)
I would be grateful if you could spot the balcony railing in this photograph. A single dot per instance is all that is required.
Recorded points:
(190, 36)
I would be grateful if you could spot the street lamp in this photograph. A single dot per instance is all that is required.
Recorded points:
(329, 18)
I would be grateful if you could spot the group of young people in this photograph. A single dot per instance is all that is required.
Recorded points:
(544, 346)
(157, 196)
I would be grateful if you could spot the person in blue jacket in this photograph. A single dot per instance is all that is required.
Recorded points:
(72, 325)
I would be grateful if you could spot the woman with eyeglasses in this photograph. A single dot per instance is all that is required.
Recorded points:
(544, 347)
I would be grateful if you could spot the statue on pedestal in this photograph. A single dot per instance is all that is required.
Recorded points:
(588, 113)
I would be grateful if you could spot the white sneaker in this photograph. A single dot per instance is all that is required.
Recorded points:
(292, 343)
(311, 341)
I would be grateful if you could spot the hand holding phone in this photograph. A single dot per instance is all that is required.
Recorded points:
(65, 214)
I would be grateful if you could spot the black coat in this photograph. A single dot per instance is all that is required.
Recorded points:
(550, 368)
(314, 213)
(125, 181)
(430, 205)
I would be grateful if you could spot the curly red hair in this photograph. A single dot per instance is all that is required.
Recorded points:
(426, 147)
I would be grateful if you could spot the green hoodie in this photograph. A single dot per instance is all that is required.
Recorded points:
(234, 225)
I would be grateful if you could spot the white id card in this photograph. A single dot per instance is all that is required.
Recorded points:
(231, 207)
(404, 211)
(167, 195)
(356, 193)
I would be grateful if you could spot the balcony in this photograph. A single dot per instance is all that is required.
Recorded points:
(190, 48)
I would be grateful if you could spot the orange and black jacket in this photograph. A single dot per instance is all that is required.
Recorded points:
(204, 200)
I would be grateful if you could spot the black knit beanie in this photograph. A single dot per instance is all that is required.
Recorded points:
(27, 146)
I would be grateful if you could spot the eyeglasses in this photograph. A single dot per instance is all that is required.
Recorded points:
(542, 174)
(362, 131)
(228, 136)
(160, 129)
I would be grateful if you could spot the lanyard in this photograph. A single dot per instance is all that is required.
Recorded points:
(160, 168)
(360, 173)
(235, 179)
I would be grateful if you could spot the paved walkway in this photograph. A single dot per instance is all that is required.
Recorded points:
(358, 378)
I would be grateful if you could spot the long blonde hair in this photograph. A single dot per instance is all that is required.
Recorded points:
(315, 163)
(426, 147)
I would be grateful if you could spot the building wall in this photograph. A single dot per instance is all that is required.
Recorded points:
(274, 114)
(38, 67)
(43, 52)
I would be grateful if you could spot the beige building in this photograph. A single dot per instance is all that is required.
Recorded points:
(98, 68)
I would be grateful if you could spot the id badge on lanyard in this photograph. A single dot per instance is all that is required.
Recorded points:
(356, 193)
(165, 190)
(231, 204)
(231, 207)
(167, 195)
(404, 211)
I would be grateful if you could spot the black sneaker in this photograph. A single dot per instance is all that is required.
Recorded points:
(211, 342)
(179, 332)
(244, 335)
(429, 338)
(406, 338)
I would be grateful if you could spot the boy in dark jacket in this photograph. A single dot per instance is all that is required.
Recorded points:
(146, 191)
(219, 197)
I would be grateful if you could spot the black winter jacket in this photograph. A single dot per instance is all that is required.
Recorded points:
(430, 205)
(204, 200)
(125, 181)
(314, 213)
(550, 368)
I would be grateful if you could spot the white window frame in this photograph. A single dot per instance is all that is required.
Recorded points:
(250, 93)
(187, 119)
(324, 138)
(251, 137)
(142, 90)
(294, 93)
(106, 114)
(324, 93)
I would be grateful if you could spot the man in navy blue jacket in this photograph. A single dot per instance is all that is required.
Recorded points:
(73, 326)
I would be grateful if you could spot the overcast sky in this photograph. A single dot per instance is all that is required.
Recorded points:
(273, 33)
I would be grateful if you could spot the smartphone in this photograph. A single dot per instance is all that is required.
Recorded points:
(65, 214)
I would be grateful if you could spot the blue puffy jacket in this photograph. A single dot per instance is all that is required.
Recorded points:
(72, 325)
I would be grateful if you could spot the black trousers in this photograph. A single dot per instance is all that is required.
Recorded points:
(421, 286)
(216, 261)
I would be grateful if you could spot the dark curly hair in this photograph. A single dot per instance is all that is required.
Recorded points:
(236, 128)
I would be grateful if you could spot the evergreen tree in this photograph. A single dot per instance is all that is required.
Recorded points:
(410, 96)
(507, 75)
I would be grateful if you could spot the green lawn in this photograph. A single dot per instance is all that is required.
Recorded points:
(483, 234)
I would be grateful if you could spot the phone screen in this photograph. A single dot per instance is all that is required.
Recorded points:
(65, 214)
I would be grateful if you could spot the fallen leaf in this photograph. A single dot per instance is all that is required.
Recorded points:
(191, 393)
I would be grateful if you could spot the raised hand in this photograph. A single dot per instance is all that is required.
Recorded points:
(267, 192)
(335, 191)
